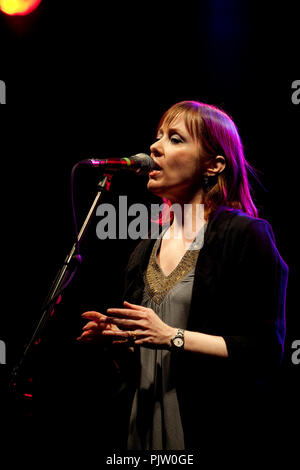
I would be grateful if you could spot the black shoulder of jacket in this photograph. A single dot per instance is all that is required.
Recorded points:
(235, 222)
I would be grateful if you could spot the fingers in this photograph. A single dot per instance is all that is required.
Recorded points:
(128, 324)
(133, 306)
(92, 315)
(92, 334)
(120, 334)
(86, 336)
(91, 325)
(116, 334)
(107, 326)
(125, 313)
(122, 312)
(98, 326)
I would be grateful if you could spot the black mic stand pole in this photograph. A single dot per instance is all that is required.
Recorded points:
(62, 279)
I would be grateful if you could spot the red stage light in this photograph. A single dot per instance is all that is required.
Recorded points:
(18, 7)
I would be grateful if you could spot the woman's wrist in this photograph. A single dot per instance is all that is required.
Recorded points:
(170, 335)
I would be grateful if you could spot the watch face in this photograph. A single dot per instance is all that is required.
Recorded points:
(178, 342)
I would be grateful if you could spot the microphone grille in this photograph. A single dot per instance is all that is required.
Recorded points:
(146, 164)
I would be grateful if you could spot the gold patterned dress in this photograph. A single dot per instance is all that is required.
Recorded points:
(155, 422)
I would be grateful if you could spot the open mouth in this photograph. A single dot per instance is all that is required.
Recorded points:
(155, 171)
(156, 166)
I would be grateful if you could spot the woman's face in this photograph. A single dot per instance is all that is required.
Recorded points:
(177, 156)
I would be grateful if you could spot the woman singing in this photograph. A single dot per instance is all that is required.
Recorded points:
(204, 322)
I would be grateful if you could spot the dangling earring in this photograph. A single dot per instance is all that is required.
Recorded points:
(209, 181)
(205, 181)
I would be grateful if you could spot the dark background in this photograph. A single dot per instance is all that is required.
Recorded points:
(93, 80)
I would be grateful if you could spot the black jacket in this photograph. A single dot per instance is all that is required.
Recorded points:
(239, 294)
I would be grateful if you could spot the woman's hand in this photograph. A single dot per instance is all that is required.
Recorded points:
(140, 323)
(94, 329)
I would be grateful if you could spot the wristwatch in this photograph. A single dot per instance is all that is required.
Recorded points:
(177, 341)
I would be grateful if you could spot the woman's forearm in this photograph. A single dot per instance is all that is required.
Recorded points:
(204, 344)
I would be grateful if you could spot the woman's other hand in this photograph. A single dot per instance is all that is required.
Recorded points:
(94, 330)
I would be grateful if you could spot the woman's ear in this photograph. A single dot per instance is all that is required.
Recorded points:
(216, 166)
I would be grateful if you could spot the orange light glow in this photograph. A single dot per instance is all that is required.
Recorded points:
(18, 7)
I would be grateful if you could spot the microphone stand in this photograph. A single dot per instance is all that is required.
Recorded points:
(61, 281)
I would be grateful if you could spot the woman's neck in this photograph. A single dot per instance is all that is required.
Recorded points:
(189, 218)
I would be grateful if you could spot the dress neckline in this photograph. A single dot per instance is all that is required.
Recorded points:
(156, 252)
(196, 245)
(158, 285)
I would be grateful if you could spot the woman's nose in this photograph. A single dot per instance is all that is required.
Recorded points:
(156, 149)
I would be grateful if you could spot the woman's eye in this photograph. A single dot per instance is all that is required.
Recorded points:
(175, 140)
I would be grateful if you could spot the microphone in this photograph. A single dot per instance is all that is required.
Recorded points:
(141, 163)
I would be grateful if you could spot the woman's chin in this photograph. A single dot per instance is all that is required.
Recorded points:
(155, 187)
